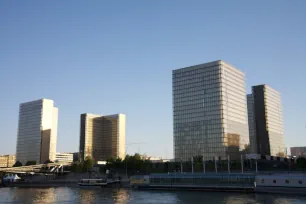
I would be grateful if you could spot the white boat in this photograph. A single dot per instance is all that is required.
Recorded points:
(293, 183)
(93, 182)
(11, 178)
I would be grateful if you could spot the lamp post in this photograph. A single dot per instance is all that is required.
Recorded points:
(204, 167)
(181, 165)
(241, 164)
(228, 164)
(216, 168)
(192, 164)
(126, 162)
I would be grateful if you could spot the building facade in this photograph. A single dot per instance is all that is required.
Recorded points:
(102, 137)
(64, 157)
(298, 151)
(252, 125)
(76, 156)
(209, 112)
(37, 131)
(7, 160)
(268, 136)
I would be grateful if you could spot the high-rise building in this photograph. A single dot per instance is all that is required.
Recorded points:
(265, 114)
(76, 156)
(102, 137)
(64, 157)
(37, 131)
(298, 151)
(252, 125)
(7, 160)
(209, 112)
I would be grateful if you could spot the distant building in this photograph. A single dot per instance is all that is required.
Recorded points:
(298, 151)
(76, 156)
(154, 159)
(102, 137)
(37, 131)
(209, 112)
(158, 160)
(7, 160)
(252, 124)
(266, 121)
(64, 157)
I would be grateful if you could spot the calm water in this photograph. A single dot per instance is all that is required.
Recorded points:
(77, 195)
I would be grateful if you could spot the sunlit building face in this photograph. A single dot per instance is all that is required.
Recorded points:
(209, 112)
(102, 137)
(37, 131)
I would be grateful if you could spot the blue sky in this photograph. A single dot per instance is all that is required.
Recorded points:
(117, 56)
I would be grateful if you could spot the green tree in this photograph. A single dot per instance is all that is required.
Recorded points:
(48, 161)
(301, 163)
(137, 157)
(30, 163)
(79, 167)
(88, 163)
(74, 166)
(198, 159)
(18, 163)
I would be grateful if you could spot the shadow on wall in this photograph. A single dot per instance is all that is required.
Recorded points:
(45, 145)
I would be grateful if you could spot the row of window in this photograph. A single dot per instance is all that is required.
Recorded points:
(182, 73)
(208, 76)
(223, 88)
(192, 117)
(286, 181)
(196, 98)
(204, 73)
(207, 110)
(200, 107)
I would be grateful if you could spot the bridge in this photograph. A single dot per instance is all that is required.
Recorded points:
(40, 168)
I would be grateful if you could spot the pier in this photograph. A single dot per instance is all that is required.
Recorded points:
(196, 181)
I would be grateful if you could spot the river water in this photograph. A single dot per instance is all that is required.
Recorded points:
(98, 195)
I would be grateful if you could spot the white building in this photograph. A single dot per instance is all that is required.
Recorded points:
(64, 157)
(37, 131)
(158, 160)
(102, 137)
(209, 111)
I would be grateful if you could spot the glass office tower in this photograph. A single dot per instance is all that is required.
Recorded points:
(252, 124)
(37, 131)
(102, 137)
(209, 112)
(268, 119)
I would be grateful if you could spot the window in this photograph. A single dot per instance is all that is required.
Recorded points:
(262, 180)
(300, 182)
(287, 181)
(274, 181)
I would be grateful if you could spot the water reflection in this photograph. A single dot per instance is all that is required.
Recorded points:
(87, 195)
(31, 195)
(123, 196)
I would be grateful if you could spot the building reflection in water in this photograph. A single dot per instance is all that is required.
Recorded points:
(240, 199)
(121, 196)
(88, 195)
(98, 195)
(34, 195)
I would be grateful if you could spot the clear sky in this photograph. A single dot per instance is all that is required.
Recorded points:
(107, 57)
